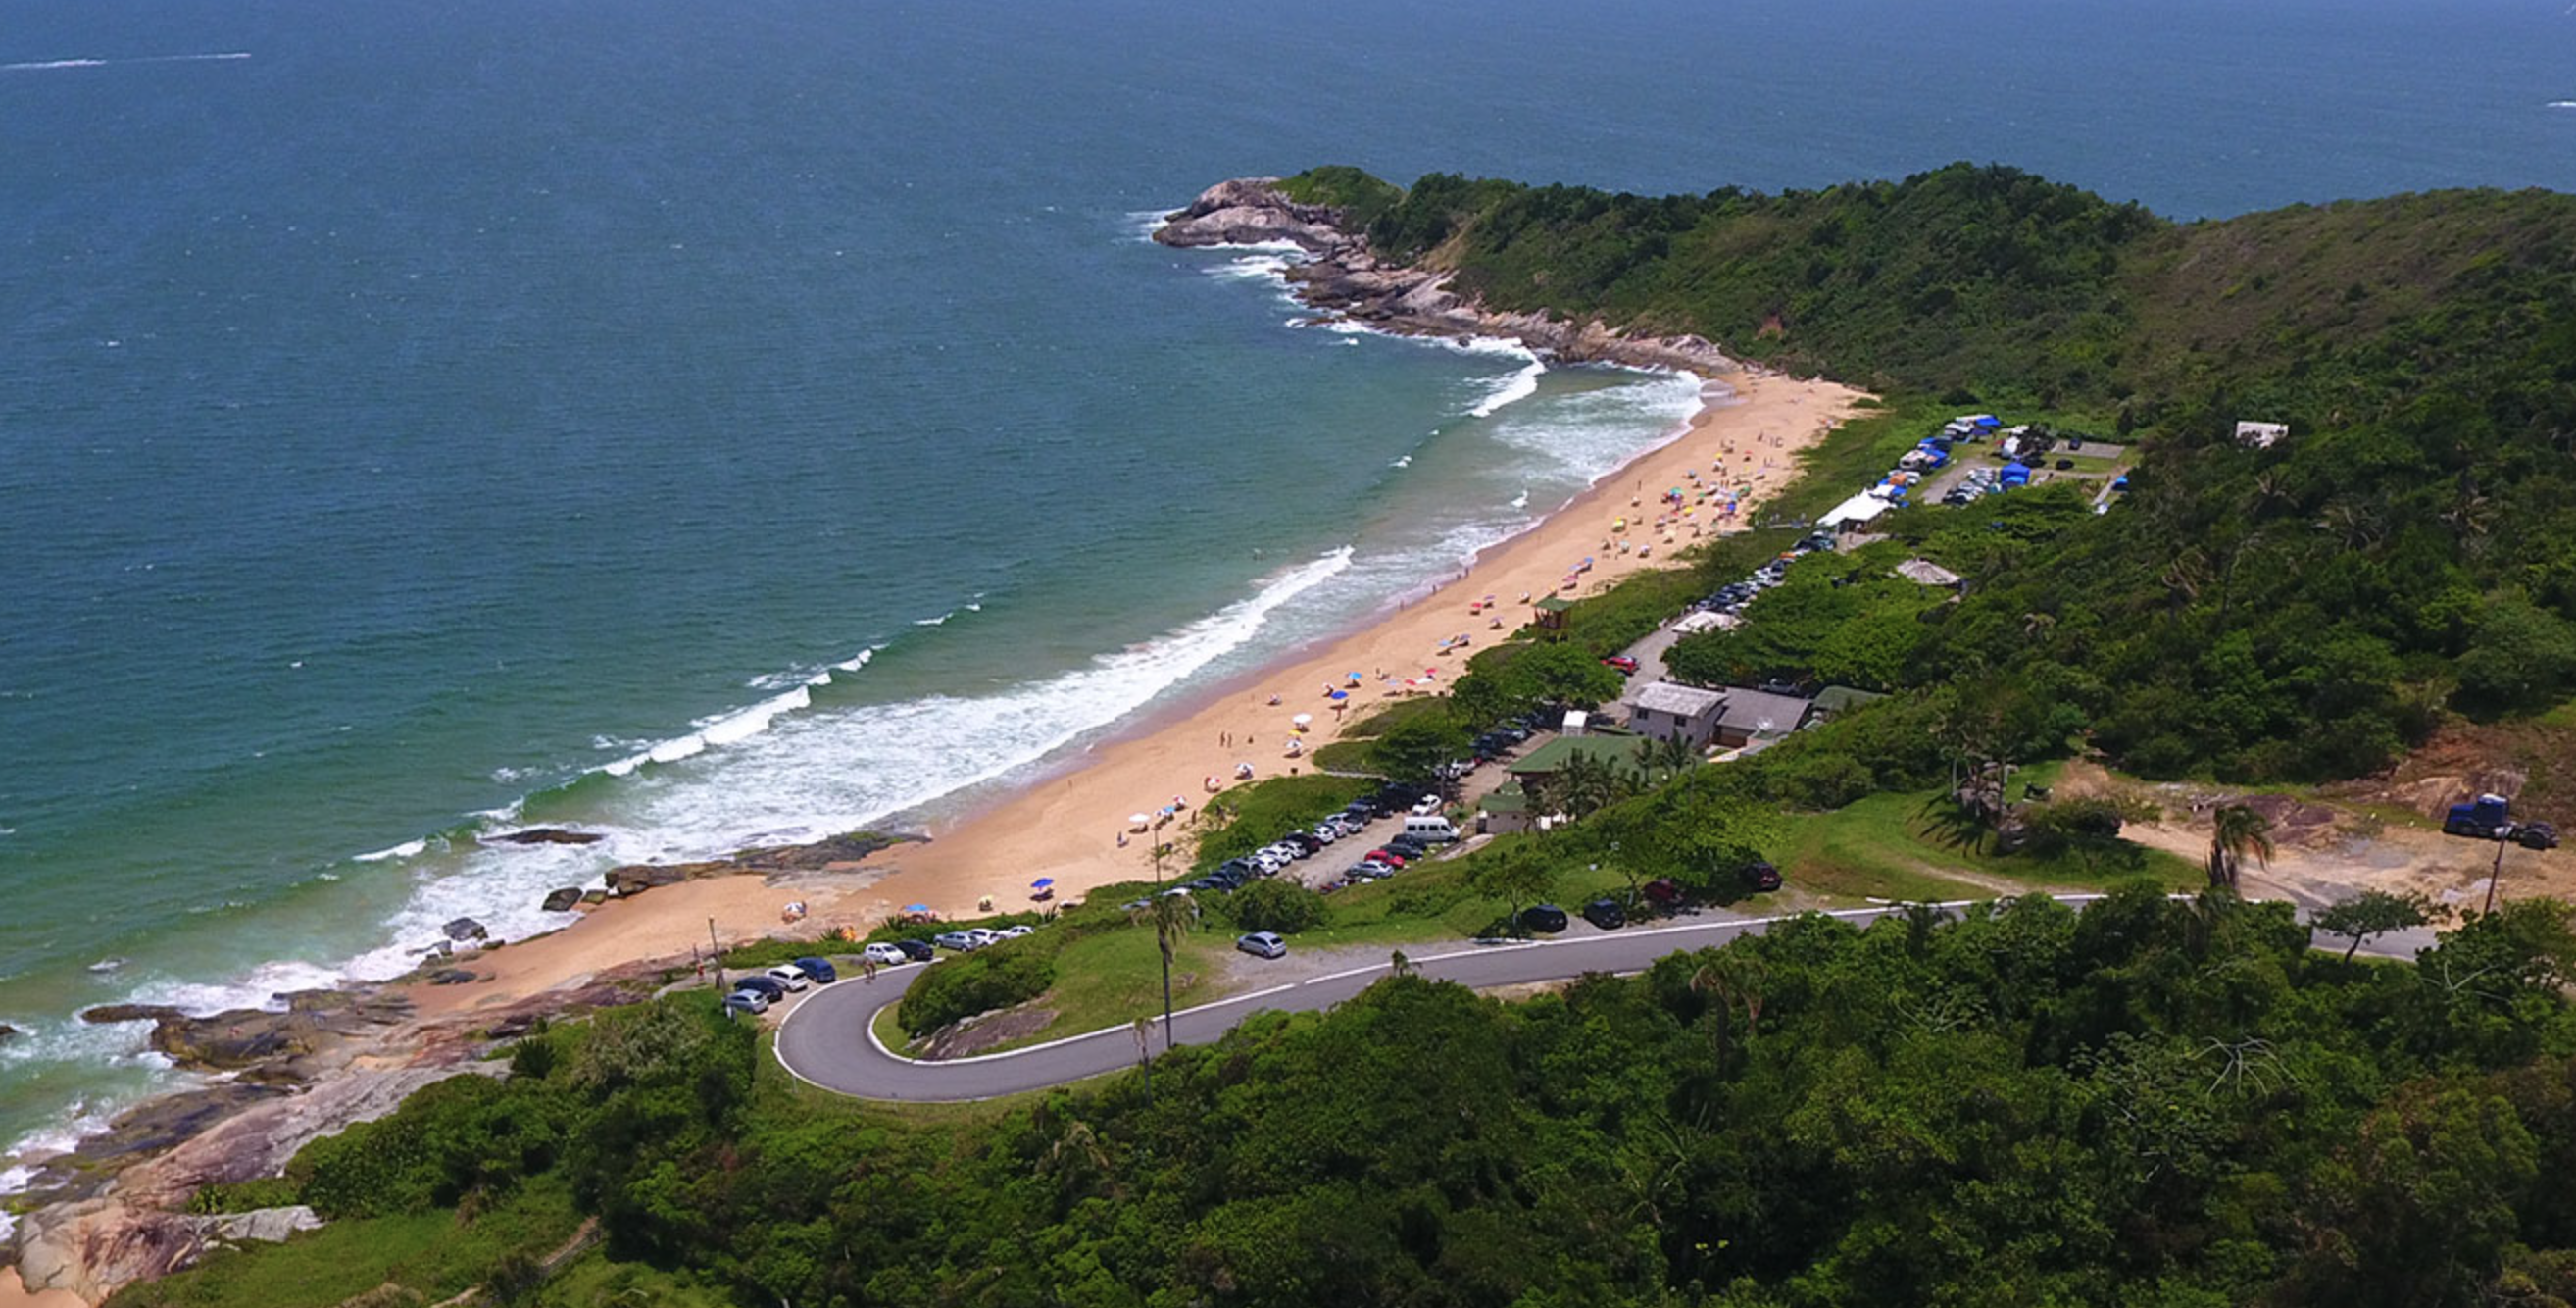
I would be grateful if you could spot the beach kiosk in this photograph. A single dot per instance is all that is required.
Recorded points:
(1551, 612)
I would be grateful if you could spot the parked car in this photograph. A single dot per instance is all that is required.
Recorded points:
(1665, 893)
(983, 935)
(919, 951)
(1262, 944)
(1370, 870)
(1409, 846)
(820, 969)
(788, 975)
(958, 940)
(1304, 842)
(885, 955)
(1426, 806)
(1323, 833)
(1605, 914)
(1622, 662)
(1386, 856)
(1015, 931)
(1547, 919)
(746, 1001)
(1761, 876)
(762, 985)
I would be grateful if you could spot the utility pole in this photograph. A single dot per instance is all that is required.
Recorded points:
(715, 955)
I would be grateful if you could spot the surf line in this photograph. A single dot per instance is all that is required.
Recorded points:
(44, 64)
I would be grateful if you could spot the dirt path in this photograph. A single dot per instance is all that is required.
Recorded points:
(2324, 853)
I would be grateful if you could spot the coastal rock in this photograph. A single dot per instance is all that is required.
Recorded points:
(462, 929)
(562, 901)
(546, 836)
(7, 1033)
(1346, 279)
(451, 976)
(848, 848)
(1252, 211)
(636, 878)
(96, 1244)
(105, 1014)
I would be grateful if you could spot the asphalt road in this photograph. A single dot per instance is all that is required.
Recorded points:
(827, 1038)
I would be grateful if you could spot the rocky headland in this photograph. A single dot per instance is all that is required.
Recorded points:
(117, 1208)
(1342, 278)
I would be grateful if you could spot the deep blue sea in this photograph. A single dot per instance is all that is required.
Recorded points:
(711, 423)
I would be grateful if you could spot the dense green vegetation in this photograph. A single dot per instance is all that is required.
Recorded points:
(2301, 612)
(2151, 1103)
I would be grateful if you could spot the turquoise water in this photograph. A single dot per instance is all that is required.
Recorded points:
(412, 416)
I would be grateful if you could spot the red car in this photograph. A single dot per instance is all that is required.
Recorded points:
(1622, 662)
(1387, 857)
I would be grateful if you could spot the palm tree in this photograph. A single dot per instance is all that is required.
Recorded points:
(1670, 755)
(1172, 916)
(1734, 976)
(2236, 830)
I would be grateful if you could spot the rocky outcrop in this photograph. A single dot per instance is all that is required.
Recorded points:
(245, 1038)
(1345, 279)
(1252, 211)
(822, 853)
(7, 1033)
(545, 836)
(101, 1236)
(562, 901)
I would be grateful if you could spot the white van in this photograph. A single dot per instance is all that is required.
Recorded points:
(1431, 828)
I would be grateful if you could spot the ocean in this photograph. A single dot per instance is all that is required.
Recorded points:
(715, 425)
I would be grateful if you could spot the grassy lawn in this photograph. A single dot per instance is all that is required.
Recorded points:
(1882, 848)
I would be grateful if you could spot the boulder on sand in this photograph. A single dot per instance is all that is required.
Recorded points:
(562, 901)
(462, 929)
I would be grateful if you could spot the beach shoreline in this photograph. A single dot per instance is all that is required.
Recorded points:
(1065, 823)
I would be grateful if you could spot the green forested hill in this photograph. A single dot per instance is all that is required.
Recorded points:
(2302, 612)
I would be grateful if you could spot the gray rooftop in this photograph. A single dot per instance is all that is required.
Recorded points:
(1750, 711)
(1680, 701)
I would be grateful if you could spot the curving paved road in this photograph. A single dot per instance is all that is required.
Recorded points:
(829, 1041)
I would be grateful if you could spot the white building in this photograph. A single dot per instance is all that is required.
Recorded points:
(1669, 712)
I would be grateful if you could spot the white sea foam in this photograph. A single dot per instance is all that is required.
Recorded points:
(42, 65)
(1512, 390)
(1521, 501)
(2562, 104)
(407, 849)
(941, 620)
(257, 988)
(770, 774)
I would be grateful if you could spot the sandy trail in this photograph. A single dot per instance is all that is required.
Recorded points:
(1068, 826)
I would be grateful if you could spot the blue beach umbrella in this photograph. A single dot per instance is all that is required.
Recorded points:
(1041, 883)
(1341, 694)
(916, 908)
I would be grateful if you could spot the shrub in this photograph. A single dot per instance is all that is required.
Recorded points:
(996, 977)
(1281, 906)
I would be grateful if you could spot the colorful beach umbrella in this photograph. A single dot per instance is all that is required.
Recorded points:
(916, 908)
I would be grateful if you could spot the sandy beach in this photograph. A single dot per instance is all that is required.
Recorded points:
(1068, 826)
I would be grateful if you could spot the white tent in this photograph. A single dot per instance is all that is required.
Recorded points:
(1859, 508)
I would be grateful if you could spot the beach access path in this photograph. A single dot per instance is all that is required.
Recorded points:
(828, 1038)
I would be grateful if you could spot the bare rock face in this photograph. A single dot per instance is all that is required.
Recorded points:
(95, 1245)
(93, 1249)
(1251, 211)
